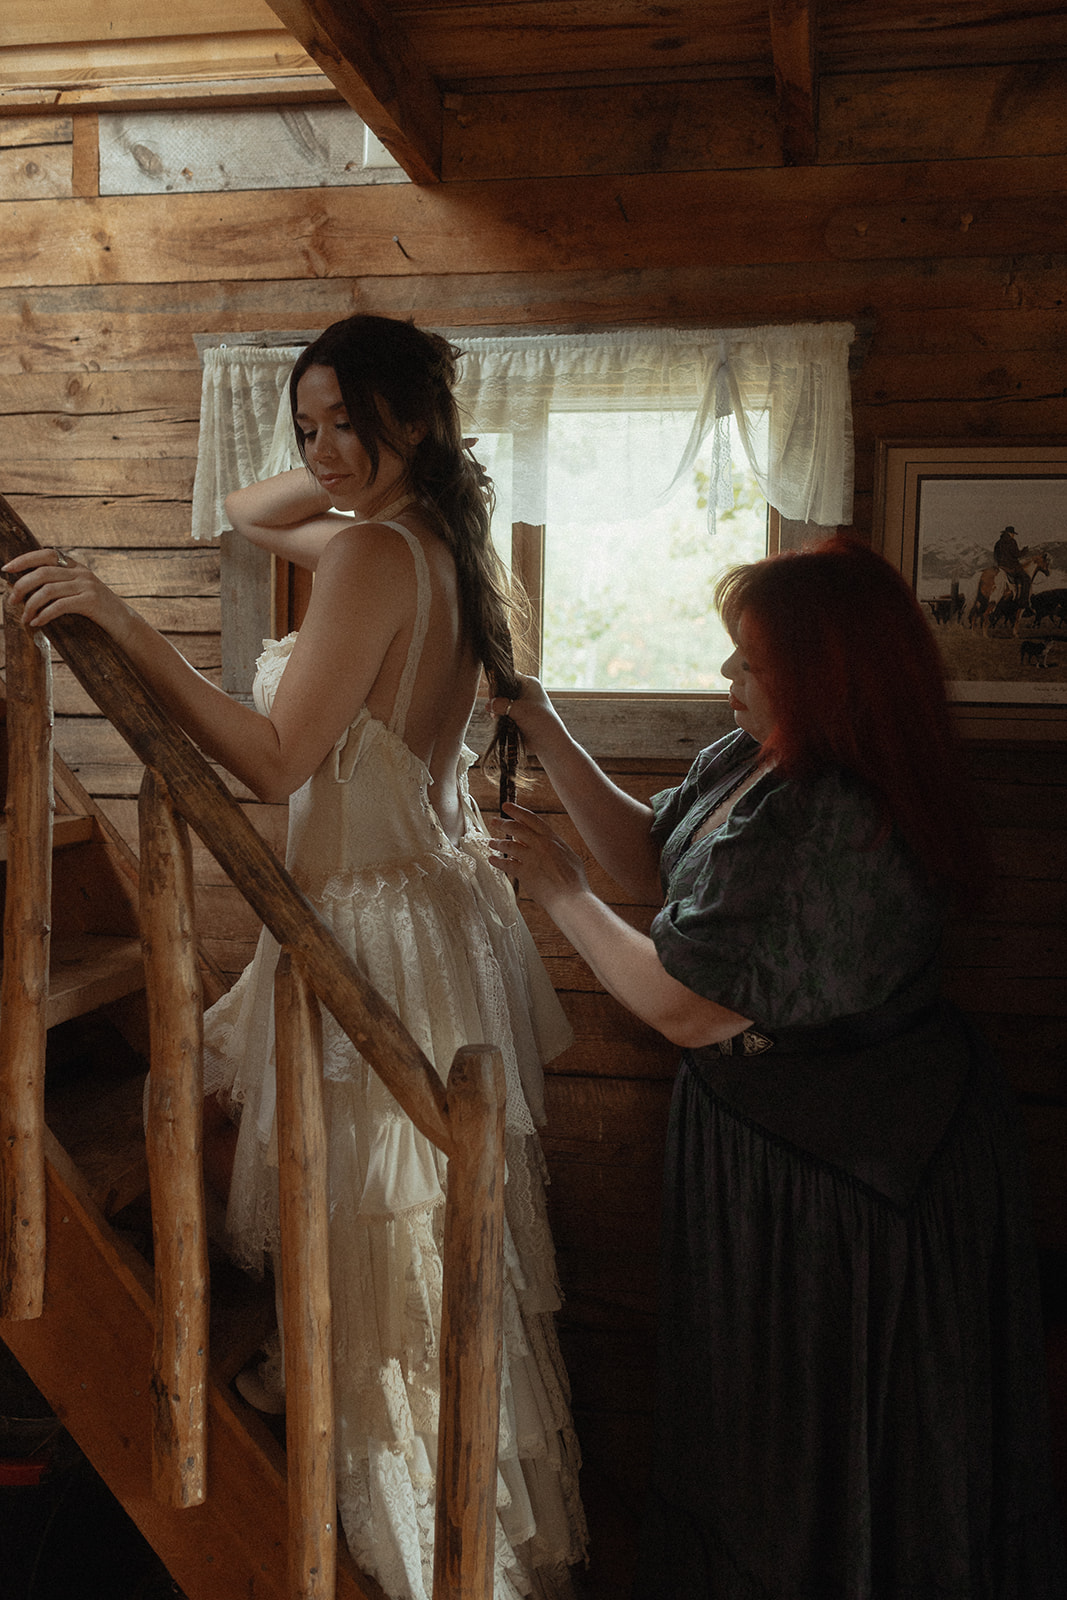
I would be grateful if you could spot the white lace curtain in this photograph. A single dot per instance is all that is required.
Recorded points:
(671, 393)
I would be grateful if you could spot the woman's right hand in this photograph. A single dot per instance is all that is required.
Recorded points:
(49, 585)
(531, 711)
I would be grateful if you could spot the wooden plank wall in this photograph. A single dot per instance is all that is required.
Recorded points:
(99, 379)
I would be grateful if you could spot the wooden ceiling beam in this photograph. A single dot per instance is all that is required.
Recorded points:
(793, 30)
(369, 58)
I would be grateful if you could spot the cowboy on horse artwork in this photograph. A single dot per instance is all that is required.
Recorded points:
(1007, 555)
(1005, 599)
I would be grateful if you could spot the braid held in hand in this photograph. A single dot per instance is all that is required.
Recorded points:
(505, 750)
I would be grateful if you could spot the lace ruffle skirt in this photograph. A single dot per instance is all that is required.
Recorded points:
(456, 972)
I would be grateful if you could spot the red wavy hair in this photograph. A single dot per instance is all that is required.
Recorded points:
(852, 671)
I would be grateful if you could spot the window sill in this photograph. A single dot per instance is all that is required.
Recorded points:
(632, 727)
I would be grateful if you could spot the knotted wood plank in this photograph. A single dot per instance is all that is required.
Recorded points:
(24, 987)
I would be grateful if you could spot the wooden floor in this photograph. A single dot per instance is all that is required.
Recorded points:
(68, 1539)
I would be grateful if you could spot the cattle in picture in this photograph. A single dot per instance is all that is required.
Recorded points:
(946, 607)
(1050, 605)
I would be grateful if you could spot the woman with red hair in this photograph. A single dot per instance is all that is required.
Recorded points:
(852, 1399)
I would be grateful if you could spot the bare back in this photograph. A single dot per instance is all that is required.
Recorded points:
(446, 681)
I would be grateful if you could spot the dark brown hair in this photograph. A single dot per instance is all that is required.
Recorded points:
(413, 371)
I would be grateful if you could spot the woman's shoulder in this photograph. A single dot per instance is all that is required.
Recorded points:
(829, 824)
(372, 542)
(800, 804)
(732, 752)
(712, 766)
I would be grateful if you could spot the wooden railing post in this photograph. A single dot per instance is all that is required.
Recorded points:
(24, 988)
(207, 806)
(471, 1329)
(306, 1311)
(175, 1151)
(465, 1121)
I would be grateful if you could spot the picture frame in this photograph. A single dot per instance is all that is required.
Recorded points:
(979, 530)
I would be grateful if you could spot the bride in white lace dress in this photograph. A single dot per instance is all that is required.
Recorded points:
(360, 723)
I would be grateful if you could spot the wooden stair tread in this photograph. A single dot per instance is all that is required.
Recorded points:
(101, 1127)
(89, 970)
(242, 1318)
(66, 830)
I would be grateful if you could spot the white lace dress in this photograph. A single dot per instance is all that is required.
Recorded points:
(436, 930)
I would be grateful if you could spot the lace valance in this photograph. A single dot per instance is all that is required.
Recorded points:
(670, 391)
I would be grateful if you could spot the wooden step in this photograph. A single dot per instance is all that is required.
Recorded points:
(90, 1354)
(243, 1317)
(100, 1125)
(66, 830)
(90, 970)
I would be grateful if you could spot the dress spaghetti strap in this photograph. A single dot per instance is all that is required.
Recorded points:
(406, 686)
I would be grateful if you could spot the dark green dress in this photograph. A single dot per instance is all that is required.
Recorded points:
(852, 1397)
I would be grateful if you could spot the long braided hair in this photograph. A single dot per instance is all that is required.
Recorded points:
(412, 371)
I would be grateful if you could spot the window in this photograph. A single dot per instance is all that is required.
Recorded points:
(632, 467)
(624, 605)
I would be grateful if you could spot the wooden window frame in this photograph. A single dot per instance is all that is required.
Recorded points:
(264, 598)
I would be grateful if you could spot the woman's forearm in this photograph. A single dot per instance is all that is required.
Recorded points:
(613, 825)
(624, 960)
(290, 515)
(233, 734)
(626, 963)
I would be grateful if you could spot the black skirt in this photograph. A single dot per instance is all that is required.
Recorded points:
(852, 1399)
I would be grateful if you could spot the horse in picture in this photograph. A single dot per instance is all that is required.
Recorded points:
(1000, 598)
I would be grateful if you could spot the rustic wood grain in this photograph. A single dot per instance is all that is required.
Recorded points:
(17, 132)
(24, 984)
(514, 131)
(304, 1203)
(370, 59)
(477, 41)
(174, 1134)
(799, 214)
(44, 396)
(105, 523)
(44, 172)
(793, 44)
(655, 127)
(128, 54)
(471, 1330)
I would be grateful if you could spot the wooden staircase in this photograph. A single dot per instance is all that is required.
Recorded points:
(108, 1338)
(90, 1354)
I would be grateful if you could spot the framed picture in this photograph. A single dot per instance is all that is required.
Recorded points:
(980, 531)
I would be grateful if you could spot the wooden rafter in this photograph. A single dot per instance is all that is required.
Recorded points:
(367, 56)
(793, 29)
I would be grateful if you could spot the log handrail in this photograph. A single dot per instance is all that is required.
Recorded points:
(201, 797)
(465, 1119)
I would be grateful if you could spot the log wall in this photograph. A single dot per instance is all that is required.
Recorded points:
(100, 298)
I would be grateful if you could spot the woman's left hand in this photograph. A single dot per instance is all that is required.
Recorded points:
(527, 850)
(50, 585)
